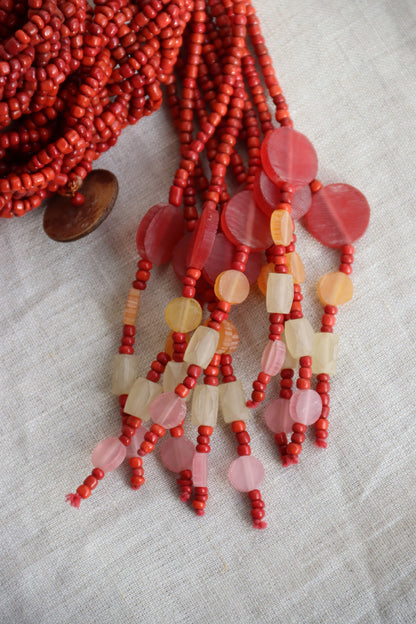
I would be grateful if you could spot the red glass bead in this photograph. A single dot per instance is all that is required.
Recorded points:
(339, 215)
(243, 223)
(289, 156)
(203, 239)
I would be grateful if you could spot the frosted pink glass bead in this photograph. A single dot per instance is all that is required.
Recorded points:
(203, 238)
(267, 197)
(177, 454)
(277, 416)
(108, 454)
(289, 156)
(243, 223)
(179, 256)
(273, 357)
(165, 229)
(137, 439)
(305, 406)
(168, 410)
(246, 473)
(200, 469)
(301, 202)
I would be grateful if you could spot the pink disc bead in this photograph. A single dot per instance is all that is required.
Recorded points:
(168, 410)
(137, 439)
(273, 357)
(253, 267)
(177, 454)
(203, 239)
(243, 223)
(277, 416)
(179, 256)
(219, 259)
(108, 454)
(267, 197)
(200, 469)
(289, 156)
(142, 229)
(301, 202)
(163, 232)
(305, 406)
(246, 473)
(339, 215)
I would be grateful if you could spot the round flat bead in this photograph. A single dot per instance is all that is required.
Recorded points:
(219, 259)
(339, 215)
(243, 223)
(335, 288)
(163, 232)
(203, 239)
(277, 416)
(183, 314)
(305, 406)
(179, 255)
(253, 267)
(177, 454)
(246, 473)
(295, 266)
(140, 397)
(142, 229)
(281, 227)
(273, 357)
(289, 156)
(168, 410)
(301, 202)
(108, 454)
(264, 276)
(232, 286)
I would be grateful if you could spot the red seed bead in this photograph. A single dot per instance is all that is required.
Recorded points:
(298, 438)
(91, 482)
(133, 421)
(299, 428)
(194, 371)
(137, 481)
(257, 514)
(321, 434)
(294, 449)
(125, 440)
(182, 391)
(321, 423)
(243, 449)
(98, 473)
(238, 425)
(306, 361)
(128, 431)
(158, 430)
(177, 432)
(84, 491)
(205, 430)
(136, 462)
(303, 384)
(147, 447)
(243, 437)
(203, 448)
(305, 373)
(151, 437)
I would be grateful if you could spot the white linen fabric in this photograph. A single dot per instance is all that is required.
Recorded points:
(341, 540)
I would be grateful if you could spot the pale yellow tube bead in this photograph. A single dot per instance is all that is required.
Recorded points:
(281, 227)
(140, 397)
(205, 405)
(335, 288)
(124, 373)
(232, 402)
(279, 296)
(300, 337)
(175, 373)
(132, 307)
(295, 266)
(232, 286)
(289, 361)
(325, 352)
(183, 314)
(202, 346)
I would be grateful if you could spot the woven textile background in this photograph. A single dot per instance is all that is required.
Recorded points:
(341, 541)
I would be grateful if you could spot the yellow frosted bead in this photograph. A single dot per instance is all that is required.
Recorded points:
(264, 276)
(335, 288)
(295, 266)
(279, 295)
(232, 286)
(325, 351)
(132, 306)
(183, 314)
(281, 227)
(205, 405)
(201, 347)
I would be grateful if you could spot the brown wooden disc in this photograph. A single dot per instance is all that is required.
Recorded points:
(64, 222)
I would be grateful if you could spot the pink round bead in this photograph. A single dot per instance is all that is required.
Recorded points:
(301, 203)
(200, 469)
(339, 215)
(273, 357)
(168, 410)
(203, 238)
(177, 454)
(246, 473)
(253, 267)
(277, 416)
(179, 256)
(136, 440)
(219, 259)
(243, 223)
(108, 454)
(163, 232)
(305, 406)
(289, 156)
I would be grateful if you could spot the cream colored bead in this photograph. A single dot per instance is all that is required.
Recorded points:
(132, 307)
(183, 314)
(124, 373)
(232, 402)
(299, 337)
(205, 405)
(279, 296)
(281, 227)
(295, 266)
(290, 361)
(325, 352)
(202, 346)
(232, 286)
(175, 373)
(140, 397)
